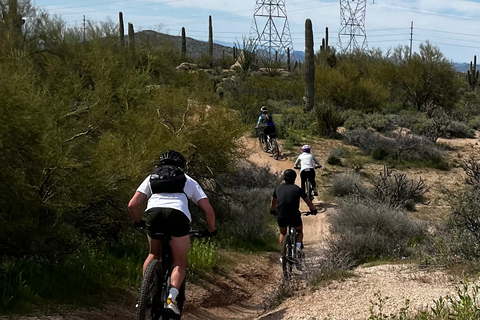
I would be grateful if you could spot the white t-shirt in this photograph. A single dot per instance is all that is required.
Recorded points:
(307, 161)
(176, 201)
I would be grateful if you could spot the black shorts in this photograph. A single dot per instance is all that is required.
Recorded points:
(295, 221)
(170, 222)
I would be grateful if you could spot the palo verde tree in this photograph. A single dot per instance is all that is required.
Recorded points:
(428, 77)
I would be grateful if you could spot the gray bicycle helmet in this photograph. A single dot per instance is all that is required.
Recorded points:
(289, 176)
(174, 158)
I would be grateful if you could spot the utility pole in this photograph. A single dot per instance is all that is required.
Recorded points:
(352, 25)
(411, 40)
(270, 28)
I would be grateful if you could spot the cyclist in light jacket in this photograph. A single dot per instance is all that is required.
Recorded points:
(307, 163)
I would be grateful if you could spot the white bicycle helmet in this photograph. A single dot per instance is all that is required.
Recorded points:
(306, 148)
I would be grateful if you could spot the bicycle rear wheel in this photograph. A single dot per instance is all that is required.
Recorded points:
(262, 139)
(149, 298)
(274, 149)
(286, 269)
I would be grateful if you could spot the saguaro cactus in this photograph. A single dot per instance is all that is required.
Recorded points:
(121, 33)
(14, 22)
(324, 45)
(131, 42)
(210, 37)
(472, 74)
(309, 66)
(288, 59)
(184, 43)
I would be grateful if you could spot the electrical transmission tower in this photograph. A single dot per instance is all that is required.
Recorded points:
(270, 29)
(352, 33)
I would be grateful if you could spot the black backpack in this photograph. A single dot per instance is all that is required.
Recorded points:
(167, 179)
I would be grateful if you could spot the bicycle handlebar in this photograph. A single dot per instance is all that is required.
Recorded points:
(195, 234)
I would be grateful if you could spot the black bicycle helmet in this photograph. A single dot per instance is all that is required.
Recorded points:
(289, 176)
(264, 109)
(173, 158)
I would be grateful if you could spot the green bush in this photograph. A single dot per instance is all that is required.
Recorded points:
(364, 230)
(458, 129)
(328, 119)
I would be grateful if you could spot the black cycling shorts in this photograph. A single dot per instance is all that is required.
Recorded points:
(295, 221)
(170, 222)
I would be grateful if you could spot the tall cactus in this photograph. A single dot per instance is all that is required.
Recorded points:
(131, 42)
(288, 59)
(309, 66)
(184, 43)
(210, 37)
(324, 45)
(472, 74)
(14, 22)
(121, 27)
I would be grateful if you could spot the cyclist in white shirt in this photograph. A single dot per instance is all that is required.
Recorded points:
(307, 163)
(166, 192)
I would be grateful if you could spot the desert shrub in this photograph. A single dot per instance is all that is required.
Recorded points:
(353, 120)
(336, 154)
(458, 129)
(334, 160)
(465, 214)
(406, 118)
(328, 119)
(357, 163)
(474, 123)
(400, 147)
(292, 122)
(344, 184)
(365, 230)
(397, 190)
(379, 122)
(464, 306)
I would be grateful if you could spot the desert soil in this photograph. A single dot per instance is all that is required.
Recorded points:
(248, 291)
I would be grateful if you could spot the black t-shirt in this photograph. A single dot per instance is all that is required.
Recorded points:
(288, 199)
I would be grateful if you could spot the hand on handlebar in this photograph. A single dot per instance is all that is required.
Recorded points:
(314, 212)
(208, 234)
(141, 224)
(318, 167)
(273, 213)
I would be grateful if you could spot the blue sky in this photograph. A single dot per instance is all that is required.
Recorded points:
(452, 25)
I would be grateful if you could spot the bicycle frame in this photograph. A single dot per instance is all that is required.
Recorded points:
(289, 252)
(160, 284)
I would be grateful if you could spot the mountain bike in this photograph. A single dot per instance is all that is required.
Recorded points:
(156, 284)
(308, 185)
(290, 254)
(269, 144)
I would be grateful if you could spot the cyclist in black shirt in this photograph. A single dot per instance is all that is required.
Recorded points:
(285, 205)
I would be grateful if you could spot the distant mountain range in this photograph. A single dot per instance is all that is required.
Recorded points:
(197, 48)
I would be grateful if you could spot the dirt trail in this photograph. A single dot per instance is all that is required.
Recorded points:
(239, 295)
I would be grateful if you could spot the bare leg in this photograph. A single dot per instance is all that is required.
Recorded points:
(180, 247)
(155, 251)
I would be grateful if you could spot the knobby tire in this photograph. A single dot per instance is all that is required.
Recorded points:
(145, 300)
(274, 149)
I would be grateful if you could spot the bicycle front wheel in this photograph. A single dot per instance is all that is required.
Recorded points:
(263, 141)
(274, 149)
(148, 292)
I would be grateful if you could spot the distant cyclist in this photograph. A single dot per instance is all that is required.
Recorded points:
(167, 190)
(307, 163)
(266, 120)
(285, 206)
